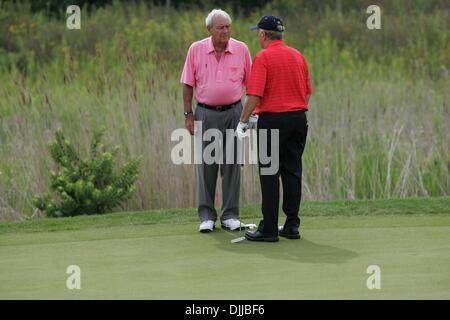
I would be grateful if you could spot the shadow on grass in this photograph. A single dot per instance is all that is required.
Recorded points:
(303, 250)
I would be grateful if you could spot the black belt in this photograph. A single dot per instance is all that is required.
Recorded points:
(218, 108)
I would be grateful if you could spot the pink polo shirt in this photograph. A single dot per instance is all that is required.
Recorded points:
(217, 83)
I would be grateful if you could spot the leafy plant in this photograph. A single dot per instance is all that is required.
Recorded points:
(88, 186)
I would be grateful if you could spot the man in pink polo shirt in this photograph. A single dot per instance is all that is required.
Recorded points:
(218, 67)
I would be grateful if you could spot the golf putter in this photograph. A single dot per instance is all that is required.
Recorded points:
(243, 227)
(241, 237)
(252, 225)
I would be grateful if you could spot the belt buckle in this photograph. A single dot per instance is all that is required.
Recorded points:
(220, 108)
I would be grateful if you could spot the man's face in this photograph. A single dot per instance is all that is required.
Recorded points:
(220, 30)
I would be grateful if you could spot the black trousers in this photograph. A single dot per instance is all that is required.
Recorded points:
(293, 129)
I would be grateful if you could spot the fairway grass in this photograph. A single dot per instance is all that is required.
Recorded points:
(167, 258)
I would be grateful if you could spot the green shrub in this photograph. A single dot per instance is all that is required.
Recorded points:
(87, 186)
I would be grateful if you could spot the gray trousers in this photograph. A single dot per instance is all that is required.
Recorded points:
(207, 173)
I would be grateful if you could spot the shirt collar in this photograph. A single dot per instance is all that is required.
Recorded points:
(274, 43)
(210, 47)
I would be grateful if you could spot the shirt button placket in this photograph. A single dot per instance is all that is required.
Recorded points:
(219, 76)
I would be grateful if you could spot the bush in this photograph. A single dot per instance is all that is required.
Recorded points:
(86, 186)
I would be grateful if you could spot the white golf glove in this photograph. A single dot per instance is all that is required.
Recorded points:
(240, 130)
(252, 121)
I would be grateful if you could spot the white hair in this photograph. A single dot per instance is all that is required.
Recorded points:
(215, 13)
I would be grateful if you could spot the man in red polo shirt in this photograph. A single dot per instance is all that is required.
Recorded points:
(279, 89)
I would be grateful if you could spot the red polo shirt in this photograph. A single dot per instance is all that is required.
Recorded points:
(280, 77)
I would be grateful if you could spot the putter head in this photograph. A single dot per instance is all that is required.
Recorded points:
(240, 239)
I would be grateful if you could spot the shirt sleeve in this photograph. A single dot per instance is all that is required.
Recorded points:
(308, 80)
(188, 75)
(258, 77)
(247, 66)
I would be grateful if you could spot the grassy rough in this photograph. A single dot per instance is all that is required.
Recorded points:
(324, 209)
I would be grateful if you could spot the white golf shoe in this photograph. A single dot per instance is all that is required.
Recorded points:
(233, 224)
(207, 226)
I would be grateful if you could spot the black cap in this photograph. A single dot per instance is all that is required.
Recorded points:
(270, 23)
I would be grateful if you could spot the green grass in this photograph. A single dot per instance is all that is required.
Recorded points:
(423, 206)
(160, 255)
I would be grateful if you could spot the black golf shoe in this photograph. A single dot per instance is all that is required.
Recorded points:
(289, 232)
(259, 236)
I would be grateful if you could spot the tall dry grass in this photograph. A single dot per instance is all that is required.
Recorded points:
(378, 123)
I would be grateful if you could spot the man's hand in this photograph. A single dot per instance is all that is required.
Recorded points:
(240, 130)
(188, 92)
(189, 123)
(250, 105)
(252, 121)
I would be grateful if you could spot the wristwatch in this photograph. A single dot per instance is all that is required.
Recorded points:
(186, 113)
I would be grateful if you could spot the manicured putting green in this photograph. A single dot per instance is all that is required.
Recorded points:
(171, 260)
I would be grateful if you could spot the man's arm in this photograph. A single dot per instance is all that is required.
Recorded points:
(255, 87)
(188, 93)
(247, 67)
(250, 105)
(308, 81)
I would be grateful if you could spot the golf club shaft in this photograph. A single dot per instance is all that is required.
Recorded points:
(253, 187)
